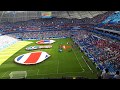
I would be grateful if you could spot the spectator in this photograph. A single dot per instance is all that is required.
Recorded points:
(105, 74)
(116, 76)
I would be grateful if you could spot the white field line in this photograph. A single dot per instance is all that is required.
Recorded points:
(61, 73)
(58, 73)
(87, 65)
(78, 60)
(58, 60)
(38, 72)
(44, 74)
(57, 66)
(4, 75)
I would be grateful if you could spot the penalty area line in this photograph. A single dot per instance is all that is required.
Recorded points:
(3, 75)
(38, 72)
(59, 73)
(57, 66)
(87, 65)
(78, 60)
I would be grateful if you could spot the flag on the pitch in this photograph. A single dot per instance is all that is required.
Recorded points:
(32, 58)
(45, 42)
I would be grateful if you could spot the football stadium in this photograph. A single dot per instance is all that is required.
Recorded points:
(59, 44)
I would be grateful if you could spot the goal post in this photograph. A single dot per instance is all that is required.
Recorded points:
(18, 75)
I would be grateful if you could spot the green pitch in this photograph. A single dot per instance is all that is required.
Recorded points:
(68, 63)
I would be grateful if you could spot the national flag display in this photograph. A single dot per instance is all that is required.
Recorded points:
(32, 48)
(45, 42)
(32, 58)
(38, 47)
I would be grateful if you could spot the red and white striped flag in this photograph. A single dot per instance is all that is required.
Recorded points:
(32, 58)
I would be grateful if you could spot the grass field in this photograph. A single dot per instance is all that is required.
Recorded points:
(60, 64)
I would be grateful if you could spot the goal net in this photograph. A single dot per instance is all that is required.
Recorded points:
(18, 75)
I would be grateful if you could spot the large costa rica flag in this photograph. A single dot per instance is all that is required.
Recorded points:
(45, 42)
(32, 58)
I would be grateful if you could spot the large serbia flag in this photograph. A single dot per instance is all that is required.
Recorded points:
(32, 58)
(45, 42)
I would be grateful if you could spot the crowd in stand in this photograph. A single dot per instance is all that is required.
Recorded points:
(106, 75)
(102, 49)
(50, 24)
(41, 35)
(111, 26)
(112, 22)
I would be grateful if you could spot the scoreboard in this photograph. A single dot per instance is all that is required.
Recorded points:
(46, 14)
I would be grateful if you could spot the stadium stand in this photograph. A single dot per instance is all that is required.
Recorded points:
(102, 47)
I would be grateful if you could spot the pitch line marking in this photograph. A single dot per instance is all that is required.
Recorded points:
(57, 66)
(87, 65)
(45, 74)
(58, 61)
(78, 60)
(4, 74)
(58, 73)
(61, 73)
(38, 72)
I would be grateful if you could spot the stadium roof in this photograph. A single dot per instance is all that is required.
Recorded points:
(13, 16)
